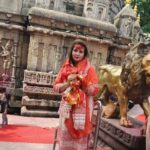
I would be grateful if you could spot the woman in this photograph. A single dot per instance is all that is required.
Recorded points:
(75, 118)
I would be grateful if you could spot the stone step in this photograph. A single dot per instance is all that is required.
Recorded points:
(38, 113)
(26, 101)
(39, 90)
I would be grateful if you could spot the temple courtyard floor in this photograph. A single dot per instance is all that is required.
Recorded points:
(42, 128)
(34, 133)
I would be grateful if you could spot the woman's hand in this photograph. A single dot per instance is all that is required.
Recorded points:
(90, 90)
(72, 77)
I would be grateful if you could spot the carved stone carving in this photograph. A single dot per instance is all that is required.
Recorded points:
(38, 93)
(38, 78)
(7, 55)
(88, 9)
(29, 89)
(51, 5)
(115, 8)
(136, 32)
(119, 137)
(30, 102)
(102, 9)
(97, 9)
(126, 25)
(124, 21)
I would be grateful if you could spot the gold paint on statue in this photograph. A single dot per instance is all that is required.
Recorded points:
(131, 81)
(135, 10)
(128, 2)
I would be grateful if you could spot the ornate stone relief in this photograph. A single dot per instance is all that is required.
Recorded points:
(97, 9)
(102, 8)
(115, 8)
(126, 25)
(124, 21)
(6, 53)
(129, 139)
(136, 30)
(38, 78)
(38, 82)
(89, 8)
(51, 4)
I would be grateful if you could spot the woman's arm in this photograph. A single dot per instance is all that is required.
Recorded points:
(92, 86)
(60, 87)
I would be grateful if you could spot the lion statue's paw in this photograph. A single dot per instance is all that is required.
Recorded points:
(126, 123)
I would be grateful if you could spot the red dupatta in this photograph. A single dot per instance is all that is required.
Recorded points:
(67, 69)
(77, 134)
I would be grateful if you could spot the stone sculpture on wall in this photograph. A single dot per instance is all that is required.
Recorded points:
(7, 56)
(97, 9)
(125, 20)
(137, 33)
(114, 8)
(126, 27)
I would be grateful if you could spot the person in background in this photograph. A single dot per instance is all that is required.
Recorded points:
(148, 134)
(75, 111)
(4, 105)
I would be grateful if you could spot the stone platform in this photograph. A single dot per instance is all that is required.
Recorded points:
(121, 138)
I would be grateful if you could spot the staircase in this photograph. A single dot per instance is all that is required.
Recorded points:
(38, 97)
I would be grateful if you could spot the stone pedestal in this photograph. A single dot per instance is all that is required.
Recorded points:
(121, 138)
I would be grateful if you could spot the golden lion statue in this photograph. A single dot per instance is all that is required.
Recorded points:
(131, 81)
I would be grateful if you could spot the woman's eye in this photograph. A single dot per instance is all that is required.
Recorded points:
(79, 51)
(75, 50)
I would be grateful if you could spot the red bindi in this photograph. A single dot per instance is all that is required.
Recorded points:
(78, 46)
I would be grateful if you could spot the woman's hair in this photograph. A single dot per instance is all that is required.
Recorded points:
(2, 90)
(81, 42)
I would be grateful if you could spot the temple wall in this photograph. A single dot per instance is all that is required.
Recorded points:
(47, 53)
(34, 39)
(12, 63)
(11, 6)
(39, 33)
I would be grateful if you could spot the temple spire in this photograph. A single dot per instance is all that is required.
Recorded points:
(135, 10)
(128, 2)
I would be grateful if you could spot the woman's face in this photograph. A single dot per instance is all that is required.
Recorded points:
(78, 52)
